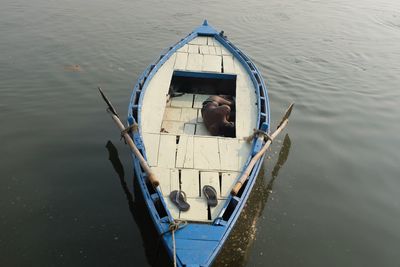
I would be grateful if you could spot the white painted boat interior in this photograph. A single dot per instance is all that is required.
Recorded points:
(180, 150)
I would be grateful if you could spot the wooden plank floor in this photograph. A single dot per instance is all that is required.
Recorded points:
(187, 157)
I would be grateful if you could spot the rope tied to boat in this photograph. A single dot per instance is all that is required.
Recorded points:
(172, 227)
(131, 128)
(257, 133)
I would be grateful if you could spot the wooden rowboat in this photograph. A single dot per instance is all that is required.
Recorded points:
(180, 152)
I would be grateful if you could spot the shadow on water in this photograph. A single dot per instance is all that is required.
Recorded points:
(155, 252)
(236, 249)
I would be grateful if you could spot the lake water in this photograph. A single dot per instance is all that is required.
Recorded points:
(327, 196)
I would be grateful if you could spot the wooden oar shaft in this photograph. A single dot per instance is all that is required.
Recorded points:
(152, 178)
(254, 160)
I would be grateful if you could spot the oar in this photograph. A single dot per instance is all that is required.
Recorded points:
(253, 161)
(150, 175)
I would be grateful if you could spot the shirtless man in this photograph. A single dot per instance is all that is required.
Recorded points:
(218, 114)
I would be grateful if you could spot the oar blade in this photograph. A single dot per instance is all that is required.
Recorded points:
(110, 106)
(287, 114)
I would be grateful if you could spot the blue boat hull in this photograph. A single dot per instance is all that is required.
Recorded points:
(197, 244)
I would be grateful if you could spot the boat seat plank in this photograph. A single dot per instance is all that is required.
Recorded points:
(198, 210)
(188, 115)
(211, 50)
(152, 151)
(166, 151)
(218, 50)
(228, 64)
(174, 176)
(190, 182)
(181, 151)
(183, 49)
(244, 153)
(210, 41)
(246, 114)
(227, 182)
(206, 154)
(212, 179)
(184, 155)
(212, 63)
(184, 101)
(173, 127)
(181, 61)
(153, 105)
(246, 119)
(195, 62)
(198, 100)
(172, 114)
(225, 51)
(200, 40)
(163, 176)
(189, 128)
(228, 153)
(201, 129)
(193, 49)
(204, 50)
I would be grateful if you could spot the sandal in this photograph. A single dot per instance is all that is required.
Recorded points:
(179, 199)
(211, 194)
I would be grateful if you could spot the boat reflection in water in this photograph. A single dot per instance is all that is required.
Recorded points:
(235, 250)
(155, 252)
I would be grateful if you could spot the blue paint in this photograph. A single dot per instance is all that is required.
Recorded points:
(197, 244)
(209, 75)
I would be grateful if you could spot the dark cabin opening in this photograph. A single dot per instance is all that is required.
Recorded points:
(196, 87)
(203, 83)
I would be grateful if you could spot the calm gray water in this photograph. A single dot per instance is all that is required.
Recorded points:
(328, 196)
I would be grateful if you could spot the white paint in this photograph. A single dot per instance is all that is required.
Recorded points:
(227, 182)
(195, 62)
(197, 212)
(212, 63)
(201, 129)
(163, 176)
(151, 150)
(181, 61)
(173, 127)
(166, 152)
(204, 50)
(184, 101)
(189, 128)
(193, 49)
(206, 154)
(228, 153)
(172, 114)
(188, 115)
(183, 49)
(155, 97)
(190, 182)
(228, 64)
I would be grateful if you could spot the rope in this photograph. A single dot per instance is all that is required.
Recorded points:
(134, 127)
(175, 226)
(256, 133)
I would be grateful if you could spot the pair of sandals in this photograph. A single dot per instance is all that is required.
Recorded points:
(179, 198)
